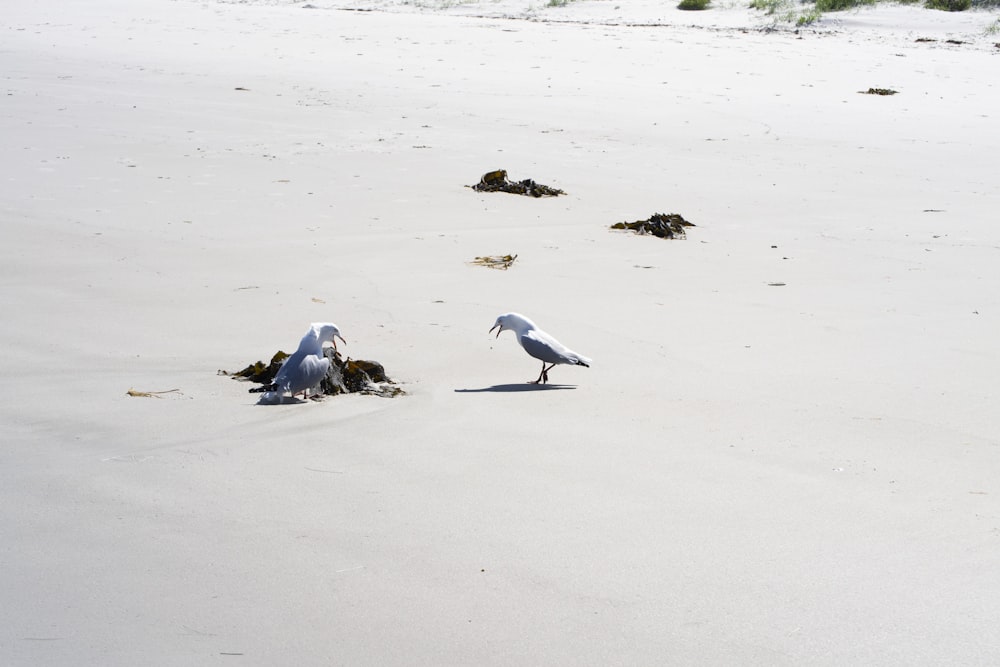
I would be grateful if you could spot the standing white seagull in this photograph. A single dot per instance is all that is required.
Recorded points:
(306, 367)
(538, 344)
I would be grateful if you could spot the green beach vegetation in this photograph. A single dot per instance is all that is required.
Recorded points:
(805, 13)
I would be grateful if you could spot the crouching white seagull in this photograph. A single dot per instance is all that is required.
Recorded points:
(306, 367)
(538, 344)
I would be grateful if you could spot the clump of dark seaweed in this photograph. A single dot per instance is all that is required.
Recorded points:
(345, 376)
(664, 225)
(879, 91)
(258, 372)
(497, 181)
(356, 376)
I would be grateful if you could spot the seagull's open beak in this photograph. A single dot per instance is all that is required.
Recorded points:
(335, 337)
(494, 327)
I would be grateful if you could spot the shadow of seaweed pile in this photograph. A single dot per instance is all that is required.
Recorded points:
(664, 225)
(496, 181)
(345, 376)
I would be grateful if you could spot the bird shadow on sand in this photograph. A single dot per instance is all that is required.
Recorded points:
(524, 386)
(289, 400)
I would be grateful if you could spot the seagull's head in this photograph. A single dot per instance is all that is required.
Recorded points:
(514, 321)
(328, 332)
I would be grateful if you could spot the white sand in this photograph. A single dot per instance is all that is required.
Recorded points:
(748, 474)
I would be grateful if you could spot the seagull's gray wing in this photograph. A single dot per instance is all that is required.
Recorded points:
(287, 368)
(542, 346)
(301, 372)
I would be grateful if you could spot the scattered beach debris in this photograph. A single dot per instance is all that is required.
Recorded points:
(134, 393)
(501, 262)
(346, 376)
(931, 39)
(664, 225)
(776, 284)
(878, 91)
(497, 181)
(241, 88)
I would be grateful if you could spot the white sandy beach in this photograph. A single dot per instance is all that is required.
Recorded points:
(786, 452)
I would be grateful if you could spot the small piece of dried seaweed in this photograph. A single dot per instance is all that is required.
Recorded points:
(134, 393)
(879, 91)
(501, 262)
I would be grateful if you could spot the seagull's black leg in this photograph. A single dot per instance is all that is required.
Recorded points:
(545, 371)
(540, 376)
(543, 377)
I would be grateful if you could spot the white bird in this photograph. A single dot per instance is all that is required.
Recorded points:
(306, 367)
(538, 344)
